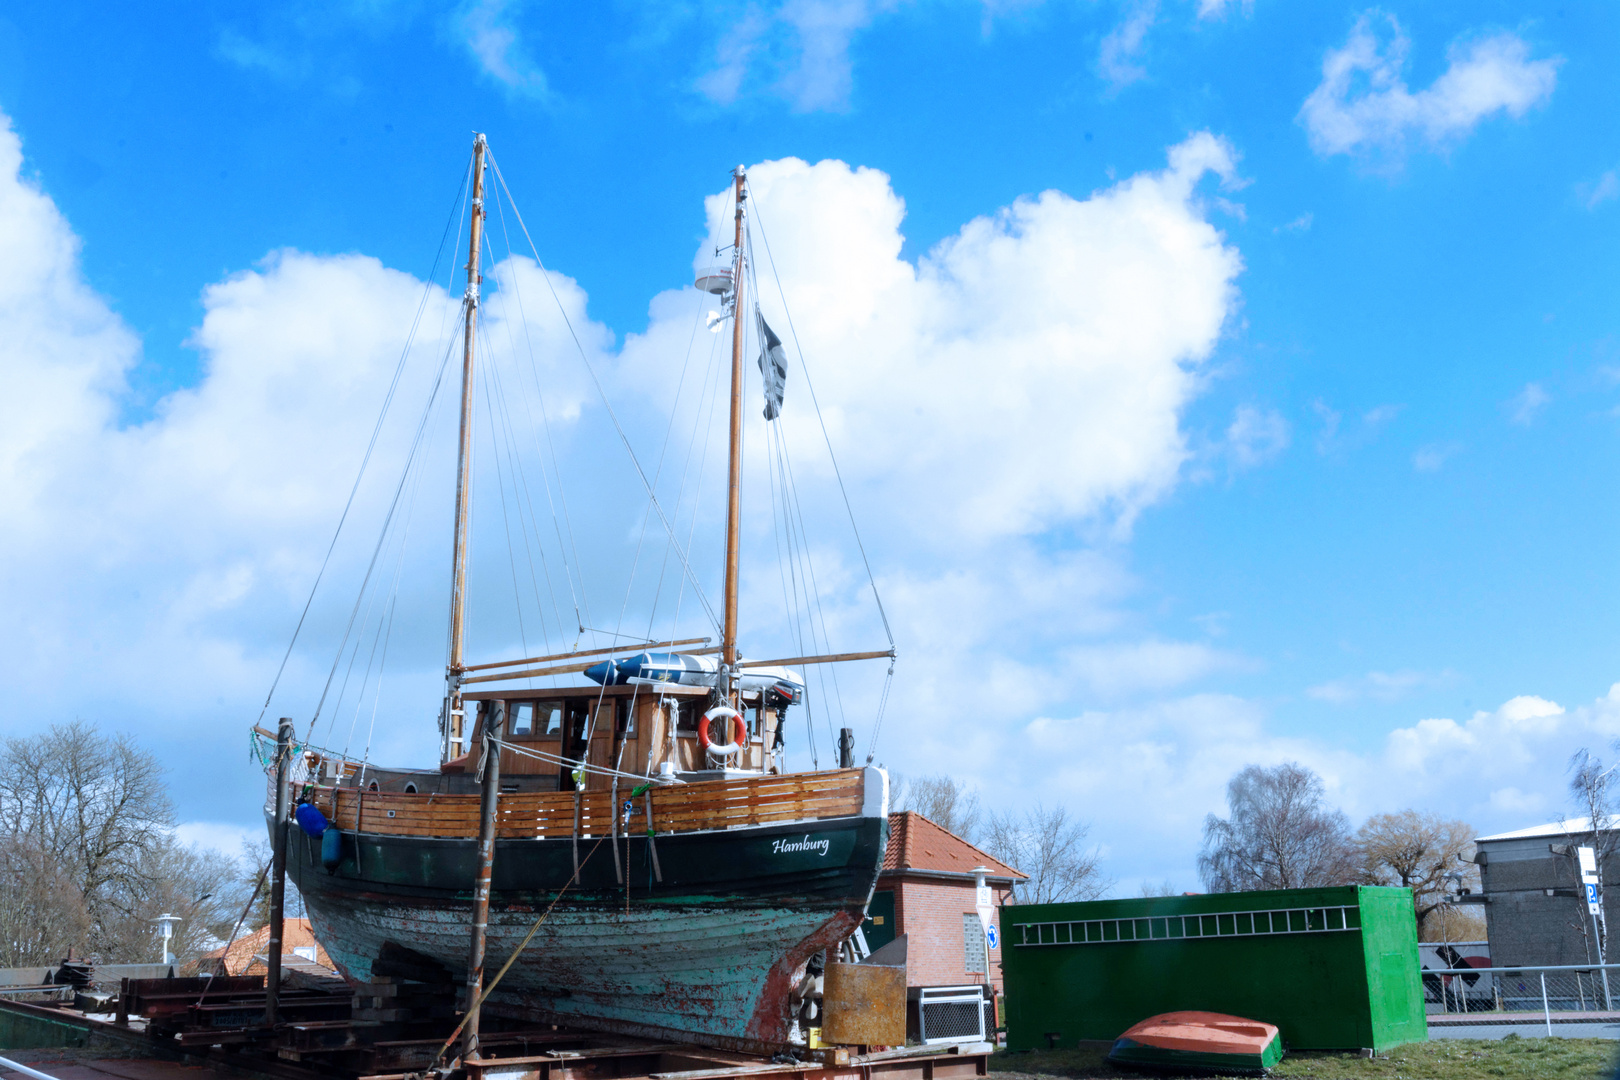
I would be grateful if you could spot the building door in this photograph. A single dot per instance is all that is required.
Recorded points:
(879, 925)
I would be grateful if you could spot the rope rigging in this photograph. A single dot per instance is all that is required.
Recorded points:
(701, 389)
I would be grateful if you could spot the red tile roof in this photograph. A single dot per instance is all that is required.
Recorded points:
(915, 843)
(295, 933)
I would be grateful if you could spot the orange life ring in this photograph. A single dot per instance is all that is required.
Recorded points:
(740, 731)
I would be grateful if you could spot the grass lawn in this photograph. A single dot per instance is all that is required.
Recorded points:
(1442, 1059)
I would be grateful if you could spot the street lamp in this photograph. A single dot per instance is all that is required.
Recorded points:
(166, 929)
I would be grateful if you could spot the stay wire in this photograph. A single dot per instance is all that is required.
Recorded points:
(521, 488)
(606, 403)
(821, 420)
(705, 393)
(371, 445)
(579, 598)
(506, 518)
(674, 413)
(387, 521)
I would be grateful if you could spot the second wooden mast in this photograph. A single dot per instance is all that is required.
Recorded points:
(728, 638)
(454, 711)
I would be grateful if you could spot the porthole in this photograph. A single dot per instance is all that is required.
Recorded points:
(410, 789)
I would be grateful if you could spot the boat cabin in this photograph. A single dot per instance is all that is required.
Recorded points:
(648, 731)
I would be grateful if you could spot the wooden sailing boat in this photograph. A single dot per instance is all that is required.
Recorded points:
(691, 880)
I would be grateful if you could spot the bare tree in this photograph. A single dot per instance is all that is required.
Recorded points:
(1050, 846)
(1419, 851)
(1593, 787)
(1279, 835)
(91, 814)
(944, 800)
(40, 909)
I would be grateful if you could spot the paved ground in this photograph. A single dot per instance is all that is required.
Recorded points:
(1525, 1031)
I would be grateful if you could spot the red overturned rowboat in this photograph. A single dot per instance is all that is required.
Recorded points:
(1201, 1041)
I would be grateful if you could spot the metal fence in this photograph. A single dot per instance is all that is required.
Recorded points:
(1553, 992)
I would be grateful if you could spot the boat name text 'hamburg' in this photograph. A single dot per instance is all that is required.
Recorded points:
(807, 844)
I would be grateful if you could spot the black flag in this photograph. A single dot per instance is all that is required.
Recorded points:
(772, 367)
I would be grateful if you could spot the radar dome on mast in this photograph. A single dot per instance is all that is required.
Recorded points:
(716, 280)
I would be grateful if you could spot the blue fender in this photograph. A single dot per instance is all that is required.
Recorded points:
(332, 849)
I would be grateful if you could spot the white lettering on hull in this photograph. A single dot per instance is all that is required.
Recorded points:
(779, 847)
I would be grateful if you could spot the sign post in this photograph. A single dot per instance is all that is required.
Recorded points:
(1592, 886)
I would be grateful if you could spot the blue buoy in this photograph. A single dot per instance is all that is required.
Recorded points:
(310, 819)
(332, 849)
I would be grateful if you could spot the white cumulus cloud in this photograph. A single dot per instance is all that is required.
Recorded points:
(1256, 435)
(1363, 103)
(1022, 381)
(1526, 405)
(1032, 366)
(1119, 56)
(796, 50)
(490, 32)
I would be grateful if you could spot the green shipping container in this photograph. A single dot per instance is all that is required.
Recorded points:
(1334, 969)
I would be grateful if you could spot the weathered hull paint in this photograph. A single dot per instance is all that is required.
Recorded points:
(713, 950)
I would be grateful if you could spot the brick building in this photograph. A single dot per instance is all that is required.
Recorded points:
(1535, 912)
(927, 892)
(246, 955)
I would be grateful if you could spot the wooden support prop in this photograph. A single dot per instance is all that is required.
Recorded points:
(494, 721)
(278, 873)
(613, 832)
(831, 658)
(566, 669)
(576, 834)
(627, 649)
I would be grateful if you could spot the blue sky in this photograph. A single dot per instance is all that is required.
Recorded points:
(1283, 427)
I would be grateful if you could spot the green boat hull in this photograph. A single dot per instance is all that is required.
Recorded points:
(1141, 1055)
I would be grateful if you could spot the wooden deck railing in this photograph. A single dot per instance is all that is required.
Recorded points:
(711, 804)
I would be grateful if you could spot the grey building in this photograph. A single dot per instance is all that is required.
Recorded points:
(1535, 912)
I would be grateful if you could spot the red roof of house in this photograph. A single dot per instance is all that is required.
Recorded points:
(240, 960)
(915, 843)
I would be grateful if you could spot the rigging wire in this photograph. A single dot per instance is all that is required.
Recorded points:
(606, 404)
(371, 445)
(821, 420)
(843, 490)
(506, 518)
(521, 490)
(393, 505)
(579, 598)
(710, 380)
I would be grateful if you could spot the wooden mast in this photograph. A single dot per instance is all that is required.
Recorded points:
(728, 639)
(458, 588)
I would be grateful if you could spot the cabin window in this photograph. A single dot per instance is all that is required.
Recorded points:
(410, 789)
(685, 712)
(520, 717)
(372, 786)
(548, 719)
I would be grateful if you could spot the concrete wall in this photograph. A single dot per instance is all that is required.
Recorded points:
(1523, 924)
